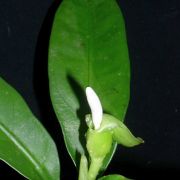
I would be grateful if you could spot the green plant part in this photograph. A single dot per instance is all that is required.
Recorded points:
(104, 129)
(25, 145)
(98, 146)
(88, 47)
(83, 169)
(99, 141)
(114, 177)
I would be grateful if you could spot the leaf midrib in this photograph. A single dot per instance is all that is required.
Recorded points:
(23, 149)
(89, 41)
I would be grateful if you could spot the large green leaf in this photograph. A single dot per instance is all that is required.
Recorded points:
(87, 48)
(24, 143)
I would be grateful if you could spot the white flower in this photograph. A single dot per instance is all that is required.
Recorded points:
(95, 106)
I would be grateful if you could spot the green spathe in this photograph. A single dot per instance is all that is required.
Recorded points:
(116, 128)
(99, 141)
(121, 134)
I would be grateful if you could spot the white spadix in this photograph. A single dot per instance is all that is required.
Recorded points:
(95, 106)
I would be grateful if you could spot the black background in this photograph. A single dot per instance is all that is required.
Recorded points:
(153, 31)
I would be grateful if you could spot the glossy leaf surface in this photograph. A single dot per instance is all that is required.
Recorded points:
(87, 48)
(24, 143)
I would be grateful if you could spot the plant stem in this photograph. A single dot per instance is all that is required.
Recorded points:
(94, 168)
(83, 169)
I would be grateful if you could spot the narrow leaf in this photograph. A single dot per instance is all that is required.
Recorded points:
(24, 143)
(87, 48)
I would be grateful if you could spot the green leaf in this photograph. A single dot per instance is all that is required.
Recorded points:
(24, 143)
(87, 48)
(113, 177)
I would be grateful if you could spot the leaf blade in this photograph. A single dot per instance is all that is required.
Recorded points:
(88, 47)
(24, 143)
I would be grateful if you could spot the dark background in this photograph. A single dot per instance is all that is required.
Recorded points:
(153, 31)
